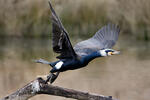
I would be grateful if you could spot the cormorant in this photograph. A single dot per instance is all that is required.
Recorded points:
(82, 53)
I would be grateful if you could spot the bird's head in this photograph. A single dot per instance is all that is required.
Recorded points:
(108, 52)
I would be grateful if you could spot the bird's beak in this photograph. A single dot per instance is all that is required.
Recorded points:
(115, 53)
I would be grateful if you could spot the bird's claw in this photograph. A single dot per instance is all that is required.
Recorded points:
(48, 78)
(54, 77)
(51, 77)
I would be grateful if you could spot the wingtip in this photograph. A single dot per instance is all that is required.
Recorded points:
(114, 26)
(52, 9)
(49, 2)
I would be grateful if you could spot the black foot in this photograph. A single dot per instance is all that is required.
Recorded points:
(52, 77)
(48, 78)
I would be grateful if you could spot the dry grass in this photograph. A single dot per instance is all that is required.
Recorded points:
(23, 18)
(31, 17)
(133, 16)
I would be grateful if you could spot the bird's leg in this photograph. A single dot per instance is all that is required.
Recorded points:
(48, 78)
(52, 77)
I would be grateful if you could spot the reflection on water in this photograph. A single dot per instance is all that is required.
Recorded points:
(125, 76)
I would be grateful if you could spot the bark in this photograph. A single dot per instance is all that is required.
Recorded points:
(38, 86)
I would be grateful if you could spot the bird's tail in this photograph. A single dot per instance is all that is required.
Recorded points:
(42, 61)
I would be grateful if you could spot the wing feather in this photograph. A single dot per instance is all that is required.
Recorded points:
(106, 37)
(60, 40)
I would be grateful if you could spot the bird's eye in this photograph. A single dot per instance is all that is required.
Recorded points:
(109, 51)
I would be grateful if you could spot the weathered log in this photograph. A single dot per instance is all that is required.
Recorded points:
(38, 86)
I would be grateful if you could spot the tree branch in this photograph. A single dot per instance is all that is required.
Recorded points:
(38, 86)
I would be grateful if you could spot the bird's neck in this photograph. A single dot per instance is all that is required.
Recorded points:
(91, 56)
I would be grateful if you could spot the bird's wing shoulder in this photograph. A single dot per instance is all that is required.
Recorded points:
(60, 40)
(106, 37)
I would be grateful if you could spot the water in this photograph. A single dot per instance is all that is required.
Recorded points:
(125, 76)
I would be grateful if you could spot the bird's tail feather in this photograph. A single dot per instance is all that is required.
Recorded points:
(42, 61)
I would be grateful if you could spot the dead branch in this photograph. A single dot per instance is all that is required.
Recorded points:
(38, 86)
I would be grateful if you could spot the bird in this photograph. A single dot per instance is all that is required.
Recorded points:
(71, 58)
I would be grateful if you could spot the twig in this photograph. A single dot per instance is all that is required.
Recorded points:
(38, 86)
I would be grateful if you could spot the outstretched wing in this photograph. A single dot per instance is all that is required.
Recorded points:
(60, 40)
(106, 37)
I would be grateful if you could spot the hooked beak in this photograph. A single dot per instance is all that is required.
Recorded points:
(115, 53)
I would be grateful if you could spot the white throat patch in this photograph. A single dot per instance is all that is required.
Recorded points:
(103, 53)
(58, 65)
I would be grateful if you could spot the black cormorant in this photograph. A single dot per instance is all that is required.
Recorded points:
(82, 53)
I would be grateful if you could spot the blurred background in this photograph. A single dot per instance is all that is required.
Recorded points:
(25, 35)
